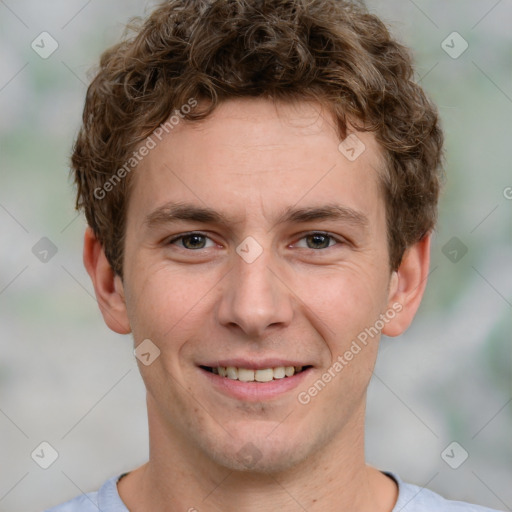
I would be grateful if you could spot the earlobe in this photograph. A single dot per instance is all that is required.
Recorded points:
(407, 286)
(108, 287)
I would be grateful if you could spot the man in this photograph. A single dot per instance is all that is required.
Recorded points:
(260, 180)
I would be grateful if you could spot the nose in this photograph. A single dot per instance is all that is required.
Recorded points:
(255, 297)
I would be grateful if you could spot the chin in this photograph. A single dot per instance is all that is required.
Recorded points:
(253, 459)
(257, 453)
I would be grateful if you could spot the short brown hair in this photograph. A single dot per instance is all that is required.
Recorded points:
(332, 51)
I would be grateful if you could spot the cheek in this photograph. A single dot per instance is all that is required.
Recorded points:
(344, 301)
(169, 305)
(159, 300)
(349, 305)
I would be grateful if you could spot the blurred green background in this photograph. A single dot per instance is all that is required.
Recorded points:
(66, 379)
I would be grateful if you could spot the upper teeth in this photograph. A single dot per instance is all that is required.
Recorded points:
(262, 375)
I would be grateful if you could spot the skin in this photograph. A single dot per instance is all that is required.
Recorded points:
(304, 298)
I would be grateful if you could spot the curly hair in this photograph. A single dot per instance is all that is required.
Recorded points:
(332, 51)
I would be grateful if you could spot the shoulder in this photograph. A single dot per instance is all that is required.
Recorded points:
(412, 498)
(106, 499)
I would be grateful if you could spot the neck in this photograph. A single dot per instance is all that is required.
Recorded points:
(179, 476)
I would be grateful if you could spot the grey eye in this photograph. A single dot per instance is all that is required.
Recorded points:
(191, 241)
(317, 241)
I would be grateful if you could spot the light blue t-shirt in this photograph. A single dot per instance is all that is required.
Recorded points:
(411, 498)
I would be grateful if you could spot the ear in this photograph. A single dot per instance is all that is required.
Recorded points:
(407, 286)
(107, 286)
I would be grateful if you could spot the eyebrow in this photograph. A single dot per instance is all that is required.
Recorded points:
(171, 212)
(325, 212)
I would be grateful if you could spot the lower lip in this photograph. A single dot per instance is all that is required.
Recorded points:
(254, 391)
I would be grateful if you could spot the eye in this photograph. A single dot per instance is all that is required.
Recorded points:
(191, 241)
(319, 240)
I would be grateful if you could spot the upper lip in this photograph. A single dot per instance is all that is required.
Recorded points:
(254, 364)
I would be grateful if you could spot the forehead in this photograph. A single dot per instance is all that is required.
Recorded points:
(256, 156)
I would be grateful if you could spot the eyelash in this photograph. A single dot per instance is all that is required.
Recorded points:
(312, 233)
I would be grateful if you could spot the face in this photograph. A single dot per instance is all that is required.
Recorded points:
(253, 246)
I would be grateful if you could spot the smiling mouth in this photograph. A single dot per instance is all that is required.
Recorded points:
(260, 375)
